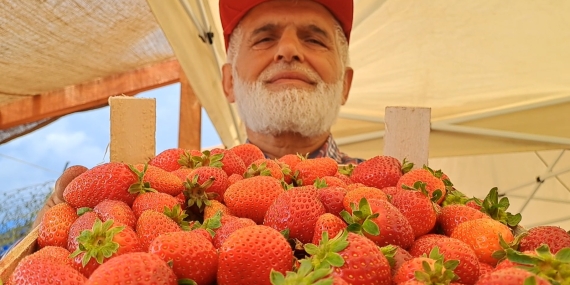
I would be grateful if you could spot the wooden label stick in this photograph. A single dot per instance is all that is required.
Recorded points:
(133, 129)
(407, 134)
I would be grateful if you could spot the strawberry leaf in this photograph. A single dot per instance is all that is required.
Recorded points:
(531, 280)
(370, 227)
(563, 255)
(335, 259)
(519, 257)
(186, 281)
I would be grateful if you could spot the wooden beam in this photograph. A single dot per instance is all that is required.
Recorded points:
(88, 95)
(190, 127)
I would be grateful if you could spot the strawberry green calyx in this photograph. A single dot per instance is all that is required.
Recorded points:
(320, 183)
(98, 242)
(553, 267)
(327, 252)
(497, 209)
(210, 224)
(346, 169)
(207, 159)
(407, 166)
(186, 281)
(514, 245)
(306, 274)
(83, 210)
(440, 273)
(140, 186)
(195, 193)
(257, 170)
(178, 215)
(421, 187)
(185, 160)
(389, 252)
(455, 197)
(361, 219)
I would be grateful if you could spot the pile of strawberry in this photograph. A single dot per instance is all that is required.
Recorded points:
(234, 217)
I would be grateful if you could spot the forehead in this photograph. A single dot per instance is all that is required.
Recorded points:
(282, 12)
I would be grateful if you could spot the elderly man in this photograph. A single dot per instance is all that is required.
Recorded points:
(288, 73)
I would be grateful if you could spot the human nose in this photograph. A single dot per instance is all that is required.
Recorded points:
(289, 48)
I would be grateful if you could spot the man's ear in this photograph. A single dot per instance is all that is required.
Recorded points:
(228, 82)
(347, 84)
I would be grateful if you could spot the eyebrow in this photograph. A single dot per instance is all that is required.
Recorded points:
(271, 27)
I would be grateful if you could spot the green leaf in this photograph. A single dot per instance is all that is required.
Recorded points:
(186, 281)
(531, 280)
(346, 217)
(364, 207)
(276, 277)
(334, 259)
(513, 220)
(285, 233)
(521, 258)
(311, 248)
(563, 255)
(354, 228)
(370, 227)
(451, 264)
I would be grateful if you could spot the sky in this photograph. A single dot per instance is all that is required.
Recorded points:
(82, 138)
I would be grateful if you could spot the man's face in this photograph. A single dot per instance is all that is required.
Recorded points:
(287, 75)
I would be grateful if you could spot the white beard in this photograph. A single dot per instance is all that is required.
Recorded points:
(307, 111)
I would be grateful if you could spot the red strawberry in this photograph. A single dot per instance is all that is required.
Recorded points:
(266, 167)
(192, 256)
(152, 224)
(327, 223)
(454, 249)
(308, 170)
(157, 179)
(182, 173)
(343, 177)
(168, 159)
(117, 211)
(363, 263)
(54, 253)
(485, 269)
(103, 242)
(134, 268)
(334, 181)
(250, 254)
(106, 181)
(427, 269)
(379, 171)
(510, 276)
(424, 244)
(555, 237)
(234, 178)
(482, 235)
(251, 197)
(288, 163)
(55, 225)
(355, 195)
(453, 215)
(219, 183)
(417, 207)
(231, 162)
(215, 206)
(381, 222)
(391, 190)
(155, 201)
(353, 186)
(396, 256)
(84, 222)
(332, 198)
(296, 210)
(228, 227)
(247, 152)
(32, 270)
(427, 176)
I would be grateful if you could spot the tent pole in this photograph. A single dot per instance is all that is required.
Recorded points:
(539, 179)
(555, 221)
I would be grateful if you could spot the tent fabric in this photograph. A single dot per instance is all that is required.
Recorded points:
(47, 45)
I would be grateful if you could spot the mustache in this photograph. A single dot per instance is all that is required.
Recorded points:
(275, 69)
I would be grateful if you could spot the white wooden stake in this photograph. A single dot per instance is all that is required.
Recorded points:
(133, 129)
(407, 134)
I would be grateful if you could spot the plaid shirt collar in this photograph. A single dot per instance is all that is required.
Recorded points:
(330, 149)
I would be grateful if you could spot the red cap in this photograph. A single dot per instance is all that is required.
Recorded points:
(231, 12)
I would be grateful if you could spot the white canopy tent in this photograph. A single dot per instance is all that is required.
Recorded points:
(494, 73)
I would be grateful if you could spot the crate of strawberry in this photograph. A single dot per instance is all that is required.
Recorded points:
(231, 216)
